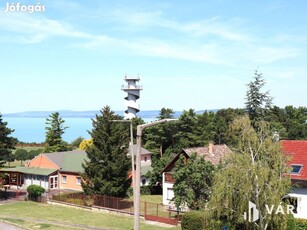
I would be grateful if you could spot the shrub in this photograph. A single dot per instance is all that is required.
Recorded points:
(192, 221)
(291, 223)
(145, 190)
(301, 224)
(35, 191)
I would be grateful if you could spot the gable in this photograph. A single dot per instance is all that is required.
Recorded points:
(70, 161)
(214, 153)
(41, 161)
(297, 151)
(169, 167)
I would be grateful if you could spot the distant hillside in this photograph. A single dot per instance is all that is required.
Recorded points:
(45, 114)
(87, 114)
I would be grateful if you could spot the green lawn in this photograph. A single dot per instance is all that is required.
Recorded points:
(38, 216)
(150, 198)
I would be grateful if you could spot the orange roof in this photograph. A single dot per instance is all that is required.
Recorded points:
(297, 150)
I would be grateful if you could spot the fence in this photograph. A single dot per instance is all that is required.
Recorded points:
(150, 211)
(160, 213)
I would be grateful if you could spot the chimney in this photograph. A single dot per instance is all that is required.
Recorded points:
(211, 146)
(276, 136)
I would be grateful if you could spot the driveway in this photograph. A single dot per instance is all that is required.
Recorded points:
(7, 226)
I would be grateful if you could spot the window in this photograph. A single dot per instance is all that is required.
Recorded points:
(145, 158)
(296, 169)
(53, 182)
(170, 194)
(78, 180)
(64, 179)
(143, 181)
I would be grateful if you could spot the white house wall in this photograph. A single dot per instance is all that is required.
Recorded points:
(301, 195)
(168, 193)
(36, 180)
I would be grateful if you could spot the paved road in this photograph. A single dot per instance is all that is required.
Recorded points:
(8, 226)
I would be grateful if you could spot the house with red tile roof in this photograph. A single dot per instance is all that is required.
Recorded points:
(213, 153)
(297, 152)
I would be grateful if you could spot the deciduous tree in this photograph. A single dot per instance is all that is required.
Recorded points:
(256, 172)
(76, 143)
(21, 155)
(193, 182)
(86, 144)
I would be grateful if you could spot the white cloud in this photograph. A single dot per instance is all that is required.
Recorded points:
(213, 41)
(36, 29)
(210, 27)
(214, 26)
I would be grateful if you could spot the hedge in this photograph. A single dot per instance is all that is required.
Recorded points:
(301, 224)
(192, 221)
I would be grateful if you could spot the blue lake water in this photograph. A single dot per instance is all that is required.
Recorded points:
(33, 129)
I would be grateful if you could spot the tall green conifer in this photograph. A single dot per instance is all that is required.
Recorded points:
(107, 170)
(55, 130)
(7, 143)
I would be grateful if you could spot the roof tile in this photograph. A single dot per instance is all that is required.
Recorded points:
(297, 150)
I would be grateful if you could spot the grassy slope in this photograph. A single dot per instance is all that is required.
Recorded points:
(30, 214)
(150, 198)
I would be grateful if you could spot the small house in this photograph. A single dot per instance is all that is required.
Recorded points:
(297, 151)
(213, 153)
(58, 170)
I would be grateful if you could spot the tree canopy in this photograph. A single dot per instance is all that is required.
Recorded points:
(193, 181)
(257, 102)
(107, 170)
(55, 129)
(256, 172)
(21, 155)
(7, 142)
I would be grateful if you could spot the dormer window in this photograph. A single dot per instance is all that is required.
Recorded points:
(296, 169)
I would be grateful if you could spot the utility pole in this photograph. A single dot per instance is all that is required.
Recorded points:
(138, 169)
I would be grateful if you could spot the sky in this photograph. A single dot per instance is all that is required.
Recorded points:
(201, 54)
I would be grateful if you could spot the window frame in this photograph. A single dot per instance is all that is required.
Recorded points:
(64, 181)
(77, 180)
(296, 165)
(169, 192)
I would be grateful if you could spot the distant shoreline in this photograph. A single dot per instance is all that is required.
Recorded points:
(87, 114)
